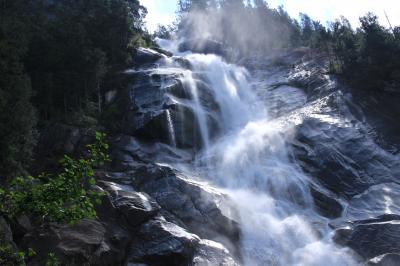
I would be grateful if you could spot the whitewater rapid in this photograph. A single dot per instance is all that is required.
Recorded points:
(249, 159)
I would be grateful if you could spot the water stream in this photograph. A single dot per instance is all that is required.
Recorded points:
(250, 161)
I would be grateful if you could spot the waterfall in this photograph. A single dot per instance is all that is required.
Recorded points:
(171, 129)
(190, 84)
(250, 161)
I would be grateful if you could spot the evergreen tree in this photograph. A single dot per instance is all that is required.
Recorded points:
(17, 115)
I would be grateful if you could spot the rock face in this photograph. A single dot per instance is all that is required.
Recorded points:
(385, 260)
(203, 46)
(372, 238)
(352, 175)
(151, 111)
(89, 242)
(159, 242)
(187, 207)
(160, 227)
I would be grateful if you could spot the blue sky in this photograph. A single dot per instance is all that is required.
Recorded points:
(163, 11)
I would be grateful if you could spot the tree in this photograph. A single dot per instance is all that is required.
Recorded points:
(17, 115)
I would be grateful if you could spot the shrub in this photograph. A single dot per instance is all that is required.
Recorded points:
(62, 197)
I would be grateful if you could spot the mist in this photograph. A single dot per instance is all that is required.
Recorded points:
(245, 28)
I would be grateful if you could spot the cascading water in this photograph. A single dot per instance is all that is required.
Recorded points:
(249, 160)
(171, 129)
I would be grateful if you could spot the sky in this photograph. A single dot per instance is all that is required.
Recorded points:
(163, 11)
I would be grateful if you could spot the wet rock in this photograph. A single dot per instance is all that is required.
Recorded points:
(153, 114)
(202, 46)
(89, 242)
(159, 242)
(6, 235)
(145, 56)
(390, 259)
(210, 253)
(128, 154)
(326, 204)
(137, 207)
(343, 158)
(5, 231)
(372, 238)
(206, 212)
(375, 201)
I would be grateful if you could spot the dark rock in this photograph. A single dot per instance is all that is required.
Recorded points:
(373, 237)
(162, 51)
(151, 112)
(377, 200)
(129, 154)
(89, 242)
(343, 158)
(390, 259)
(145, 56)
(206, 212)
(202, 46)
(5, 231)
(137, 207)
(211, 253)
(326, 204)
(159, 242)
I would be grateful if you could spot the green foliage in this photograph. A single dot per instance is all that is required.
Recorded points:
(62, 197)
(163, 32)
(68, 48)
(367, 57)
(56, 56)
(81, 41)
(9, 256)
(17, 115)
(52, 260)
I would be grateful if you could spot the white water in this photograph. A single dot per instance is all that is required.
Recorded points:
(250, 162)
(171, 129)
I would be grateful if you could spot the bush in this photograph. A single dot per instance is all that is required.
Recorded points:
(59, 198)
(9, 256)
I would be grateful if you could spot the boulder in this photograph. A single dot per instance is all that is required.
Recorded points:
(205, 211)
(89, 242)
(343, 158)
(5, 232)
(137, 207)
(129, 154)
(144, 56)
(390, 259)
(159, 242)
(372, 238)
(376, 201)
(210, 253)
(202, 46)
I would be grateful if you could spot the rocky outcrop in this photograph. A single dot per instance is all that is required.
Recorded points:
(145, 56)
(171, 218)
(159, 242)
(353, 177)
(372, 238)
(136, 207)
(192, 205)
(343, 158)
(203, 46)
(152, 110)
(89, 242)
(204, 210)
(385, 260)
